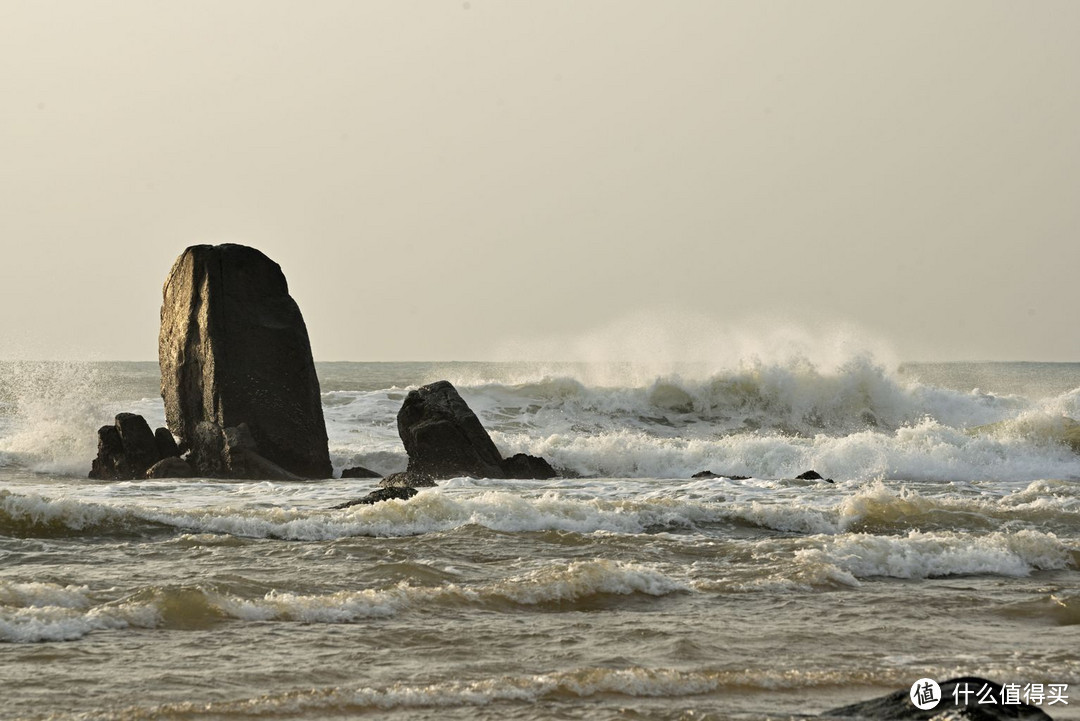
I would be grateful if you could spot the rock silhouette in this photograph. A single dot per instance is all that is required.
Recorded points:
(233, 350)
(444, 439)
(128, 449)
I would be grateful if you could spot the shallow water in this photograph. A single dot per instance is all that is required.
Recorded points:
(940, 550)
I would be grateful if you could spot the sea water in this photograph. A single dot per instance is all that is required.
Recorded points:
(947, 544)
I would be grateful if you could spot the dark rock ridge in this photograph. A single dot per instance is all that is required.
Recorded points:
(812, 476)
(380, 494)
(710, 474)
(444, 439)
(359, 472)
(237, 375)
(128, 449)
(898, 706)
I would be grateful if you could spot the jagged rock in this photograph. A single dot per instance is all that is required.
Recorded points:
(710, 474)
(521, 465)
(166, 444)
(403, 493)
(234, 349)
(444, 439)
(898, 706)
(140, 447)
(125, 449)
(109, 463)
(407, 480)
(359, 472)
(170, 467)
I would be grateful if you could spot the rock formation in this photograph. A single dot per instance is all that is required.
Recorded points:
(171, 467)
(379, 494)
(445, 439)
(237, 375)
(128, 449)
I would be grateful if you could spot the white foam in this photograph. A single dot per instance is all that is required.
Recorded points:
(929, 555)
(38, 623)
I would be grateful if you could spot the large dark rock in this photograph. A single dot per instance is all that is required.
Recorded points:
(444, 439)
(898, 706)
(234, 349)
(125, 449)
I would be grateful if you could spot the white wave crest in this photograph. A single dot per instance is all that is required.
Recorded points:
(928, 555)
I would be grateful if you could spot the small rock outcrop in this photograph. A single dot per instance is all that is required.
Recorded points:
(237, 375)
(960, 698)
(812, 476)
(444, 439)
(402, 493)
(128, 448)
(359, 472)
(710, 474)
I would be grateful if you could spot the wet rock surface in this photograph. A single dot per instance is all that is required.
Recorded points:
(445, 439)
(128, 448)
(233, 350)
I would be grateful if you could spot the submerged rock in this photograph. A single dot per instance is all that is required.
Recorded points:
(402, 493)
(971, 692)
(234, 350)
(710, 474)
(444, 439)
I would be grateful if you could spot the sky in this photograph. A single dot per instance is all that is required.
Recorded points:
(486, 180)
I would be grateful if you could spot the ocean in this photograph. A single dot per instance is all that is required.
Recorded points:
(947, 544)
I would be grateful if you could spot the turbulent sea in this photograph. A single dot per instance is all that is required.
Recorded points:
(949, 544)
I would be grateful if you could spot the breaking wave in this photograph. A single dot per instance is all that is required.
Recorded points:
(852, 420)
(586, 507)
(34, 612)
(634, 682)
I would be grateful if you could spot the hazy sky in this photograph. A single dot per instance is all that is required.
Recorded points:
(463, 180)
